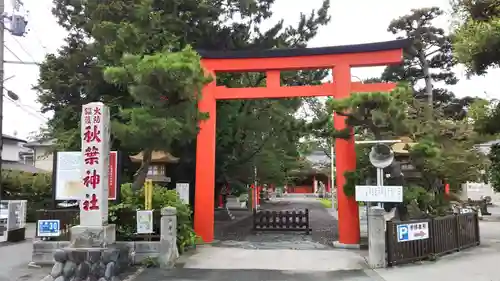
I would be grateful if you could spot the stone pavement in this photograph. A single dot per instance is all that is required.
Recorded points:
(15, 257)
(272, 256)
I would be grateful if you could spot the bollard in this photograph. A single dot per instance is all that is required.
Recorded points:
(376, 237)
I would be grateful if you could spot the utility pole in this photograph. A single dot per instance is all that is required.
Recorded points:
(2, 39)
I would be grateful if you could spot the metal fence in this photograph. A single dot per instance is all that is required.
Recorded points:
(445, 235)
(125, 221)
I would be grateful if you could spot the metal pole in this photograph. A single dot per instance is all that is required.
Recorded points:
(380, 182)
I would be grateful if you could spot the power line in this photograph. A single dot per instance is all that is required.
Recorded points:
(20, 61)
(22, 48)
(22, 107)
(12, 52)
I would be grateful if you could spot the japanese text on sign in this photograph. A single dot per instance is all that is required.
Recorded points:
(91, 140)
(413, 231)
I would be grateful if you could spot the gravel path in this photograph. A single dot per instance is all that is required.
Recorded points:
(323, 225)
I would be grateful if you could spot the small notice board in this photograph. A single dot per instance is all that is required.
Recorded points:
(48, 228)
(144, 221)
(374, 193)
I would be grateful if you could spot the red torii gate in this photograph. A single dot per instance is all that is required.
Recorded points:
(340, 58)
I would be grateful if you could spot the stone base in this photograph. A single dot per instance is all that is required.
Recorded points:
(337, 244)
(100, 264)
(106, 234)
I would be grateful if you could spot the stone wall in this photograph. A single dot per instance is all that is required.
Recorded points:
(165, 250)
(89, 264)
(43, 251)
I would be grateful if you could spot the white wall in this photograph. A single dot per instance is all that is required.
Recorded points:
(43, 158)
(10, 151)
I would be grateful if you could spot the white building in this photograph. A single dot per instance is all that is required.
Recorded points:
(17, 157)
(42, 154)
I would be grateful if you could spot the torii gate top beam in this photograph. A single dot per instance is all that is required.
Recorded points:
(359, 55)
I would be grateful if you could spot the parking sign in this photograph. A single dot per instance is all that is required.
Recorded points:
(48, 228)
(402, 232)
(413, 231)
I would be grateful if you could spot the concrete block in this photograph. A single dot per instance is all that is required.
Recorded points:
(129, 244)
(45, 246)
(147, 247)
(63, 244)
(40, 258)
(105, 233)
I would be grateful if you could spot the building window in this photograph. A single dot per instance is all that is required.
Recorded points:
(156, 170)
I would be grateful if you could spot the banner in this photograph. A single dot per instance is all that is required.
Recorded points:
(68, 184)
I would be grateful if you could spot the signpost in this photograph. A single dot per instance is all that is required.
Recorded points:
(413, 231)
(48, 228)
(381, 156)
(374, 193)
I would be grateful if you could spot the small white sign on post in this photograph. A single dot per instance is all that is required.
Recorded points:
(183, 191)
(95, 164)
(48, 228)
(144, 221)
(374, 193)
(413, 231)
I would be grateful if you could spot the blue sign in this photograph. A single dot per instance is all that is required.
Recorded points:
(48, 228)
(403, 233)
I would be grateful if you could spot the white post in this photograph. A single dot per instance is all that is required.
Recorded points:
(376, 238)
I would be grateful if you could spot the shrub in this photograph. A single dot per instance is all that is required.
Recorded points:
(35, 188)
(134, 200)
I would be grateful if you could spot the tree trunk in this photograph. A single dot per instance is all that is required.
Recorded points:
(428, 79)
(142, 172)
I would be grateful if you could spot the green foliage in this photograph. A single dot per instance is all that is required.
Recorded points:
(477, 34)
(248, 131)
(494, 169)
(326, 203)
(35, 188)
(381, 113)
(427, 60)
(167, 87)
(364, 170)
(134, 200)
(150, 262)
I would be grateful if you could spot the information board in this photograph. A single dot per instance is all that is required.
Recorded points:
(373, 193)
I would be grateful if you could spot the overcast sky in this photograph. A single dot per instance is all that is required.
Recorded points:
(353, 21)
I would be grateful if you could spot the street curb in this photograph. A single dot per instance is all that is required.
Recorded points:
(136, 274)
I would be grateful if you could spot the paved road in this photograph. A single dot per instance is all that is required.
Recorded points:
(253, 275)
(15, 257)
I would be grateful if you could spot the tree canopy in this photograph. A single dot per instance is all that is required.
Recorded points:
(477, 34)
(110, 37)
(428, 59)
